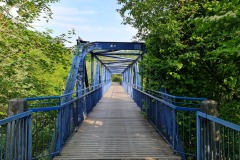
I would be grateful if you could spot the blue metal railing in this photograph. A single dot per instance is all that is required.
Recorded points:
(49, 126)
(62, 120)
(177, 124)
(40, 133)
(183, 101)
(217, 138)
(47, 101)
(15, 137)
(40, 102)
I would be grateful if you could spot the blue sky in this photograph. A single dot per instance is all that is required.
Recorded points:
(93, 20)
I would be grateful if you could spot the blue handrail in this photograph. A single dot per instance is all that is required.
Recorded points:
(178, 97)
(48, 126)
(62, 120)
(175, 123)
(42, 98)
(204, 137)
(15, 117)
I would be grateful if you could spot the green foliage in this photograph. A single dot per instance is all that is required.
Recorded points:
(26, 11)
(192, 46)
(144, 109)
(231, 112)
(117, 78)
(31, 63)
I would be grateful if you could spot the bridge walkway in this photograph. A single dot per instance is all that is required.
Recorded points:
(115, 129)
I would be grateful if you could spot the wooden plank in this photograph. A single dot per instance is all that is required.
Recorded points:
(116, 130)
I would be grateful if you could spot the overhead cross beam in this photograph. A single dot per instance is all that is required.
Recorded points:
(120, 53)
(114, 57)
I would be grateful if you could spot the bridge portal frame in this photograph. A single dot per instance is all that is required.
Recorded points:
(78, 76)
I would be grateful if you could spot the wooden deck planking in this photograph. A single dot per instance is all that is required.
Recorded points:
(116, 130)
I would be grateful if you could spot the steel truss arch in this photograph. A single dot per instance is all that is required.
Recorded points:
(112, 58)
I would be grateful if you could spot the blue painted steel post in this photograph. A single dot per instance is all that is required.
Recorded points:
(109, 76)
(92, 70)
(59, 135)
(97, 75)
(103, 75)
(128, 75)
(138, 77)
(127, 78)
(199, 149)
(100, 74)
(174, 129)
(141, 71)
(131, 77)
(29, 139)
(72, 75)
(133, 74)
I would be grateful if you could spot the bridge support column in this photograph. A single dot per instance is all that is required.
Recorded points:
(16, 145)
(211, 130)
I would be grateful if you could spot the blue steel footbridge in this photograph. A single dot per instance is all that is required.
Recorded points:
(98, 119)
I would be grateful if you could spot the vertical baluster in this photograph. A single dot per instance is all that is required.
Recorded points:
(19, 141)
(209, 138)
(21, 150)
(42, 133)
(224, 153)
(233, 143)
(238, 146)
(183, 130)
(220, 143)
(29, 133)
(11, 140)
(189, 132)
(205, 138)
(25, 136)
(228, 143)
(36, 132)
(202, 137)
(15, 130)
(49, 133)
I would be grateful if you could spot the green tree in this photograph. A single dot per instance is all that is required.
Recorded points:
(192, 45)
(31, 63)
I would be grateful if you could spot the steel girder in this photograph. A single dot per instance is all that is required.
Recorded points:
(131, 75)
(113, 54)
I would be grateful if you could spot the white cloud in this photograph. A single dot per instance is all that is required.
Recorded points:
(73, 19)
(91, 23)
(72, 11)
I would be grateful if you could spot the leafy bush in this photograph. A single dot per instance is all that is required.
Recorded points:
(31, 63)
(231, 112)
(117, 78)
(192, 47)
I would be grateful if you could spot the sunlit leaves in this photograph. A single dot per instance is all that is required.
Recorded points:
(31, 63)
(193, 47)
(25, 11)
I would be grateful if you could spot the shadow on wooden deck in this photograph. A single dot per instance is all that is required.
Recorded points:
(115, 129)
